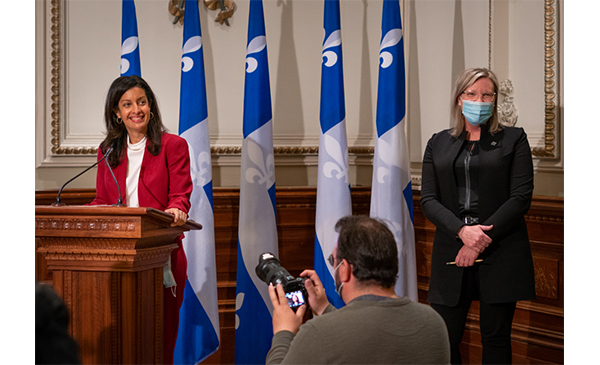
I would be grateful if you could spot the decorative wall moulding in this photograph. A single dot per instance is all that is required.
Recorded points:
(551, 89)
(307, 150)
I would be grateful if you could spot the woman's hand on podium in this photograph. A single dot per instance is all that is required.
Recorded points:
(179, 218)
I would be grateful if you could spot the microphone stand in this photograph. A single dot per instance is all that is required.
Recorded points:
(59, 203)
(119, 201)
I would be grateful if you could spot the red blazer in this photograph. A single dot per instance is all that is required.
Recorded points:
(165, 180)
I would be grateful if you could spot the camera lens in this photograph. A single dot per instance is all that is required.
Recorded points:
(270, 271)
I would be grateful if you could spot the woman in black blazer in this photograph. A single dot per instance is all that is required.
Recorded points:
(477, 186)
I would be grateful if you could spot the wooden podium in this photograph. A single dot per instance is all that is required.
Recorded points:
(107, 265)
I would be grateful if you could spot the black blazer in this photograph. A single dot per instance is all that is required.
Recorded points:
(505, 191)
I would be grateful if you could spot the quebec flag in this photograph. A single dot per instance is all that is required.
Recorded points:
(257, 225)
(130, 50)
(391, 191)
(333, 184)
(198, 332)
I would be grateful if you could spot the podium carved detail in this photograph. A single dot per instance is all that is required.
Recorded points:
(109, 225)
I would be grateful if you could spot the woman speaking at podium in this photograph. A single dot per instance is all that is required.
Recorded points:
(152, 169)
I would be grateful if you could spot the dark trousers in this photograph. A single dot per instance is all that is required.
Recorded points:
(495, 321)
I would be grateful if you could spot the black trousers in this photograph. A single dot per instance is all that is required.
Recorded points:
(495, 321)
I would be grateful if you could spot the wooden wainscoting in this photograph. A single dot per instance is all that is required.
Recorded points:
(538, 331)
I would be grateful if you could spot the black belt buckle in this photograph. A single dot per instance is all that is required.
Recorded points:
(470, 221)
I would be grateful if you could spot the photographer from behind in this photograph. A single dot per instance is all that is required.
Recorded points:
(375, 326)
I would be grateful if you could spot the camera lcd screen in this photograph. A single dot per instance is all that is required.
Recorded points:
(295, 298)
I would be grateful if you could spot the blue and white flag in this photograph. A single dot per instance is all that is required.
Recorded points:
(130, 50)
(198, 333)
(257, 225)
(391, 191)
(333, 185)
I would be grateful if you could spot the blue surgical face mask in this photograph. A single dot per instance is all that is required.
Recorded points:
(477, 112)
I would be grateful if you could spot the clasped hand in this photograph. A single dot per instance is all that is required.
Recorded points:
(475, 241)
(284, 318)
(475, 237)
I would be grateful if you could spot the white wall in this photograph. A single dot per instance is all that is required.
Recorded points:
(442, 38)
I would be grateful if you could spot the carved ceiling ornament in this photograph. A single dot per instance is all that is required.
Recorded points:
(226, 7)
(176, 8)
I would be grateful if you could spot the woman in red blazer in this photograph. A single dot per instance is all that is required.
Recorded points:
(477, 185)
(152, 168)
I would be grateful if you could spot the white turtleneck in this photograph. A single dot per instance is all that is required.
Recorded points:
(135, 155)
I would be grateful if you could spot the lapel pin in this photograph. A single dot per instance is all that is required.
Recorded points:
(493, 143)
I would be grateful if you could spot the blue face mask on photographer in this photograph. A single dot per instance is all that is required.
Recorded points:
(477, 112)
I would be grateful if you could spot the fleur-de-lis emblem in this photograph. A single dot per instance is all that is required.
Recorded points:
(239, 300)
(128, 46)
(334, 150)
(389, 157)
(200, 168)
(391, 39)
(266, 167)
(192, 45)
(330, 57)
(255, 46)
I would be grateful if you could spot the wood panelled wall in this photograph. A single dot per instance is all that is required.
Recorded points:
(538, 328)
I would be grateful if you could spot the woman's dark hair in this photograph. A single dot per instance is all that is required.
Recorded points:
(116, 134)
(369, 245)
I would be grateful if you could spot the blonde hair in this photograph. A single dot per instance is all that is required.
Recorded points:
(463, 82)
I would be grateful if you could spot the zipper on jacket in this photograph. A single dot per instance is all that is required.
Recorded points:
(468, 179)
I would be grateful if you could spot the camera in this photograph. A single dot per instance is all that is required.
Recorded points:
(270, 271)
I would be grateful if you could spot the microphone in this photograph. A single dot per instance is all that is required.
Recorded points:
(59, 203)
